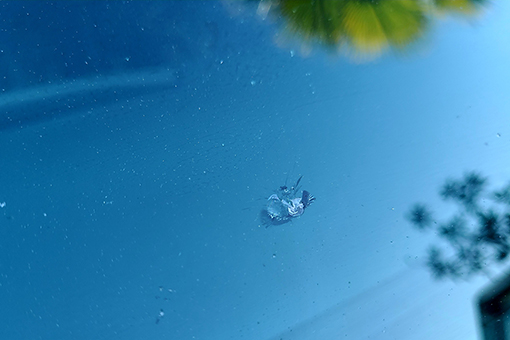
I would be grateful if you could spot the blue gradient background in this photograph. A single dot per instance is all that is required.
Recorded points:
(122, 203)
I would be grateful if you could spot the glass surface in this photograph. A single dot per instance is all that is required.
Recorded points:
(141, 143)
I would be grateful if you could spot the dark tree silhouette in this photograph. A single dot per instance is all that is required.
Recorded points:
(420, 216)
(477, 235)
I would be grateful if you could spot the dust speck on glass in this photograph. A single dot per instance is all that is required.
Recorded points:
(273, 169)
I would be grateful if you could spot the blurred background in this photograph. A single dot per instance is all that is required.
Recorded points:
(140, 140)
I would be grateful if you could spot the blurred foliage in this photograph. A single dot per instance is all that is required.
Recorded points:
(367, 27)
(477, 236)
(462, 7)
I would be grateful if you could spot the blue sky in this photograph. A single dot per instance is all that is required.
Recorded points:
(139, 201)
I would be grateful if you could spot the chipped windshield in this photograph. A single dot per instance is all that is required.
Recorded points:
(274, 169)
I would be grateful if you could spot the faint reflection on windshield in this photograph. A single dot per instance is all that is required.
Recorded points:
(360, 28)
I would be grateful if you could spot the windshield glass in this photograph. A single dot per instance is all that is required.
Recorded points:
(276, 169)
